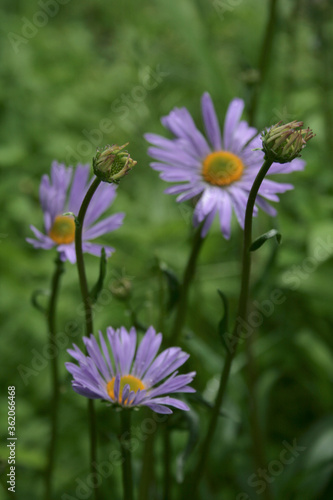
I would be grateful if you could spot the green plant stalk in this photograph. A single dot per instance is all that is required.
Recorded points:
(147, 474)
(148, 469)
(185, 286)
(242, 314)
(125, 439)
(88, 313)
(264, 59)
(167, 457)
(54, 410)
(258, 441)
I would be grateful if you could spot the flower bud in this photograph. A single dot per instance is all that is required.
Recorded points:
(283, 143)
(112, 163)
(121, 288)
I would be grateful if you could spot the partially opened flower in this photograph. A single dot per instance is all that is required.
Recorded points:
(128, 374)
(220, 172)
(61, 193)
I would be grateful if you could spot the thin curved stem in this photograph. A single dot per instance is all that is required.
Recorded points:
(79, 256)
(125, 439)
(236, 335)
(88, 313)
(54, 410)
(185, 286)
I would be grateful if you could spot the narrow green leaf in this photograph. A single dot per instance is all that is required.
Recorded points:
(263, 238)
(94, 294)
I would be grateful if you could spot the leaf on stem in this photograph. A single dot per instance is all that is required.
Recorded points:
(264, 237)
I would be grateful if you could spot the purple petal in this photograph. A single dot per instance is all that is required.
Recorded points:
(67, 252)
(146, 352)
(176, 403)
(225, 212)
(102, 199)
(79, 188)
(104, 226)
(232, 119)
(95, 249)
(158, 408)
(211, 123)
(42, 241)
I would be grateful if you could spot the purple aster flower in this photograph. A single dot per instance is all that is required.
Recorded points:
(219, 171)
(128, 375)
(55, 200)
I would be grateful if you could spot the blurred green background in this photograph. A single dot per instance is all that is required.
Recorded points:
(63, 73)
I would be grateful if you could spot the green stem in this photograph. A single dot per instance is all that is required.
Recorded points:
(187, 280)
(264, 59)
(258, 440)
(147, 474)
(88, 313)
(125, 439)
(51, 321)
(79, 256)
(167, 457)
(234, 340)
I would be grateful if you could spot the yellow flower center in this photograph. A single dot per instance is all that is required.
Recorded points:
(134, 383)
(221, 168)
(63, 230)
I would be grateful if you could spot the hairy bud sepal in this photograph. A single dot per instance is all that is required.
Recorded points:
(284, 143)
(112, 163)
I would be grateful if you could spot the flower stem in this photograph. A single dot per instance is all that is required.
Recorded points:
(167, 460)
(187, 280)
(147, 474)
(79, 256)
(264, 59)
(242, 313)
(125, 439)
(51, 321)
(88, 313)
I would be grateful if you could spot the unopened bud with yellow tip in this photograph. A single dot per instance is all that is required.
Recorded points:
(112, 163)
(284, 143)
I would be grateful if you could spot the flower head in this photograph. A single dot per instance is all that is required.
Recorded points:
(63, 192)
(112, 163)
(219, 171)
(283, 143)
(126, 374)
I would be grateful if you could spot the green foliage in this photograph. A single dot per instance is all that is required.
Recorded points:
(103, 72)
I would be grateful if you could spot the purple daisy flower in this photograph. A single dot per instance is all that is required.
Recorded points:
(132, 375)
(220, 172)
(60, 229)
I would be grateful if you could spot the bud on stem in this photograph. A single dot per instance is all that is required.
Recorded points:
(284, 143)
(112, 163)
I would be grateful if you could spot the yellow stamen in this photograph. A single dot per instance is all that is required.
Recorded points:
(134, 383)
(63, 230)
(221, 168)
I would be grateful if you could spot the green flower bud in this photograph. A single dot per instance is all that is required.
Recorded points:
(283, 143)
(121, 288)
(112, 163)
